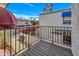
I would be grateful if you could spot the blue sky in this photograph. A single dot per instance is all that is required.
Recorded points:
(28, 10)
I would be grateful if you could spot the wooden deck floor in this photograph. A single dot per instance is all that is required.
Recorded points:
(43, 48)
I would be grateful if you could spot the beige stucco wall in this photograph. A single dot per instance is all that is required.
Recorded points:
(53, 19)
(75, 29)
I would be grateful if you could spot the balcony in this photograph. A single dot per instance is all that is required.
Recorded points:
(43, 48)
(36, 41)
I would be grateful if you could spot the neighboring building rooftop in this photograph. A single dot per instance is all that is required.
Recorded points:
(68, 9)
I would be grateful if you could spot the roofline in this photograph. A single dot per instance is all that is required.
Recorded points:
(56, 11)
(23, 20)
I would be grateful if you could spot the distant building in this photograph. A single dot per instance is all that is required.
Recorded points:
(23, 22)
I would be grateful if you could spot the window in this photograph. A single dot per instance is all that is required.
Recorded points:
(66, 21)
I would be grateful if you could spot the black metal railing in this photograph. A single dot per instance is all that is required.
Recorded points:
(56, 34)
(14, 40)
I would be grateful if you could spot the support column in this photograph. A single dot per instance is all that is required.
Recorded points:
(75, 29)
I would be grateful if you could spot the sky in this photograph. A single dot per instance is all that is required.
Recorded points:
(33, 10)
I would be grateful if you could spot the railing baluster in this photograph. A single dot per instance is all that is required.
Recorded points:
(23, 38)
(40, 32)
(70, 37)
(52, 34)
(55, 34)
(45, 32)
(31, 33)
(24, 43)
(15, 40)
(4, 41)
(28, 39)
(58, 34)
(48, 33)
(62, 35)
(10, 43)
(19, 38)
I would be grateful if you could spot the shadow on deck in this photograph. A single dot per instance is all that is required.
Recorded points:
(43, 48)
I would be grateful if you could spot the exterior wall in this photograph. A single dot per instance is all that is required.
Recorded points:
(54, 19)
(75, 29)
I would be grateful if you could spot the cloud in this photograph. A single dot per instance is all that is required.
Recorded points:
(25, 16)
(29, 4)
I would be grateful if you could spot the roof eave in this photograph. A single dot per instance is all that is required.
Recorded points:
(56, 11)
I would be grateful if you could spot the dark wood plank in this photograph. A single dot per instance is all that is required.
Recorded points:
(55, 47)
(39, 52)
(43, 51)
(49, 50)
(53, 51)
(29, 52)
